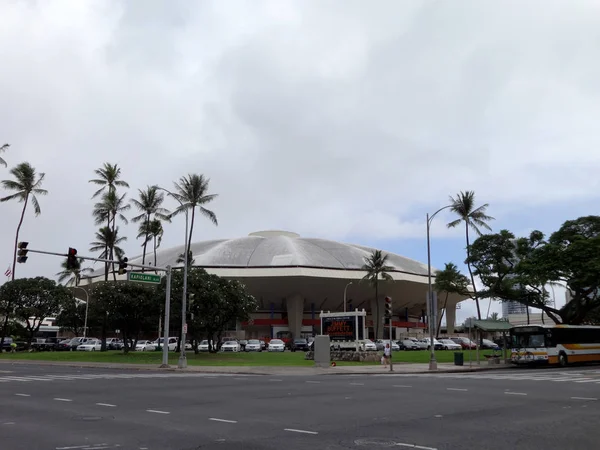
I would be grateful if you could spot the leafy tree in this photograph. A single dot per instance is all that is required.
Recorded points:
(9, 299)
(494, 316)
(149, 204)
(71, 316)
(519, 269)
(450, 281)
(108, 176)
(130, 307)
(27, 186)
(34, 300)
(192, 192)
(181, 259)
(3, 148)
(377, 269)
(72, 276)
(474, 218)
(217, 303)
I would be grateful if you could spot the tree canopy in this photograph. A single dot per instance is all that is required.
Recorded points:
(519, 269)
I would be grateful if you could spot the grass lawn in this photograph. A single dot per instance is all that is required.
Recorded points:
(223, 359)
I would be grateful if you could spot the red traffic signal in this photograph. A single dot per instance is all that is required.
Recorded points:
(72, 263)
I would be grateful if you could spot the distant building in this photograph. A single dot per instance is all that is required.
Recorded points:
(510, 308)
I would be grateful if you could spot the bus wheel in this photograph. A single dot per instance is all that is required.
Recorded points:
(563, 360)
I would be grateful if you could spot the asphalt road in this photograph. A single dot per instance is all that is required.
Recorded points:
(65, 408)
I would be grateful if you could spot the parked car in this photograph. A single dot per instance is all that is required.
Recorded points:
(370, 346)
(63, 345)
(203, 346)
(420, 345)
(171, 344)
(145, 346)
(299, 345)
(263, 344)
(114, 344)
(253, 345)
(487, 344)
(449, 344)
(90, 345)
(276, 345)
(230, 346)
(437, 345)
(464, 342)
(410, 344)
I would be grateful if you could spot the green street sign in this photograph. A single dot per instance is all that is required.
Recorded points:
(143, 277)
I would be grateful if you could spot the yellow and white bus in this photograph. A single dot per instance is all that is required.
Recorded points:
(555, 344)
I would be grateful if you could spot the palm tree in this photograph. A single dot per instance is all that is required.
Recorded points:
(109, 209)
(107, 241)
(181, 259)
(151, 231)
(192, 192)
(3, 149)
(108, 177)
(73, 276)
(149, 204)
(450, 281)
(27, 185)
(475, 218)
(495, 317)
(376, 268)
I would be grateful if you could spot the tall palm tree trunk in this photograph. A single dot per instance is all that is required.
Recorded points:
(112, 247)
(439, 324)
(106, 255)
(471, 272)
(376, 309)
(145, 241)
(189, 245)
(154, 243)
(17, 236)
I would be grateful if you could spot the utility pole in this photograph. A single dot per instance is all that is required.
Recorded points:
(388, 316)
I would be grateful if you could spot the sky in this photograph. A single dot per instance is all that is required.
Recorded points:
(339, 119)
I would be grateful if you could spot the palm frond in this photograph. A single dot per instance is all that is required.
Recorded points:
(210, 215)
(36, 205)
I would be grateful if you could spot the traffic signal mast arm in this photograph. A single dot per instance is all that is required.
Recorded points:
(89, 258)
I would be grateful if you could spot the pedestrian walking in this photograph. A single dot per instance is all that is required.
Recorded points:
(387, 354)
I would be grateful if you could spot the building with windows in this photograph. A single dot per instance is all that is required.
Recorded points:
(510, 307)
(295, 278)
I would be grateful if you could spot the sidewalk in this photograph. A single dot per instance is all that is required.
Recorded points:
(399, 368)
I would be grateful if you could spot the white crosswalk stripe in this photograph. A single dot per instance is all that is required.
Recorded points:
(591, 376)
(112, 376)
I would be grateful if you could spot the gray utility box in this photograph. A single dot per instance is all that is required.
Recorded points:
(322, 351)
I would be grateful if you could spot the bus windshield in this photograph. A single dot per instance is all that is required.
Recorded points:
(530, 337)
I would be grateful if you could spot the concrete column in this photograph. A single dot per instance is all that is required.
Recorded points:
(450, 317)
(295, 310)
(378, 319)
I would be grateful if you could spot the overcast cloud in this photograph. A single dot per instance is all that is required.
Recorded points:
(340, 119)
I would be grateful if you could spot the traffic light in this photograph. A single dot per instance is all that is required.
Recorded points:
(388, 307)
(123, 266)
(22, 252)
(72, 263)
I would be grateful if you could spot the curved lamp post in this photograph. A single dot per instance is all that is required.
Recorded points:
(182, 363)
(345, 290)
(87, 303)
(430, 306)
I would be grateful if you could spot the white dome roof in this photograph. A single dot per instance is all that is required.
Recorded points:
(280, 249)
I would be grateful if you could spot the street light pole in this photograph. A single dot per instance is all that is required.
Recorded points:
(430, 306)
(345, 289)
(182, 362)
(165, 349)
(87, 303)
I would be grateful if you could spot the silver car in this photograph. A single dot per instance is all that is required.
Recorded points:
(253, 345)
(276, 345)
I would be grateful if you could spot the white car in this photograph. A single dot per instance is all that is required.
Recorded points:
(172, 343)
(450, 345)
(420, 345)
(91, 345)
(145, 346)
(370, 346)
(203, 346)
(409, 344)
(230, 346)
(276, 345)
(253, 345)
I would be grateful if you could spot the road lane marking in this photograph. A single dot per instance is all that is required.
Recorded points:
(293, 430)
(357, 384)
(157, 412)
(275, 380)
(314, 382)
(584, 398)
(23, 395)
(401, 386)
(515, 393)
(222, 420)
(72, 447)
(106, 404)
(63, 399)
(456, 389)
(591, 380)
(420, 447)
(8, 423)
